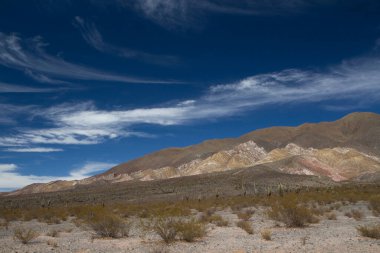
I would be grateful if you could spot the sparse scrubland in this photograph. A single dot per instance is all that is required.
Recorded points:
(179, 224)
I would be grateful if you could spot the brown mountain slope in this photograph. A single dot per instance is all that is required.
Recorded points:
(357, 130)
(341, 150)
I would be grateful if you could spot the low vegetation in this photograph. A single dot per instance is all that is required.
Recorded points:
(370, 231)
(190, 230)
(109, 225)
(213, 219)
(246, 215)
(5, 224)
(246, 226)
(53, 233)
(331, 216)
(266, 234)
(165, 227)
(171, 229)
(25, 235)
(291, 213)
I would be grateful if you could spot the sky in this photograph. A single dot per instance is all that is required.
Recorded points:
(86, 85)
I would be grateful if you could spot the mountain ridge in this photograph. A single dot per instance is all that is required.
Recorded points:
(344, 149)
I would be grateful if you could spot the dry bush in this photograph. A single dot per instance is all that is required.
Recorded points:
(348, 214)
(370, 231)
(304, 240)
(52, 243)
(53, 233)
(110, 226)
(159, 250)
(190, 230)
(5, 224)
(214, 219)
(246, 215)
(25, 235)
(165, 227)
(331, 216)
(357, 215)
(375, 205)
(266, 234)
(245, 225)
(291, 213)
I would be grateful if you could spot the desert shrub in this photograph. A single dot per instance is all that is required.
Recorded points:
(375, 205)
(165, 227)
(291, 214)
(53, 233)
(245, 225)
(110, 226)
(214, 219)
(52, 243)
(159, 250)
(348, 214)
(25, 235)
(190, 230)
(357, 215)
(331, 216)
(266, 234)
(370, 231)
(246, 215)
(5, 224)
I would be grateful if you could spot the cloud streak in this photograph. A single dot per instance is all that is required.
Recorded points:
(29, 56)
(95, 39)
(14, 88)
(356, 82)
(184, 13)
(34, 150)
(11, 179)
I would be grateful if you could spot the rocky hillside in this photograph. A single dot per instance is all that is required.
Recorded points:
(348, 148)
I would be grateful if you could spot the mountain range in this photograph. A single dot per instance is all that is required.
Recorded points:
(343, 150)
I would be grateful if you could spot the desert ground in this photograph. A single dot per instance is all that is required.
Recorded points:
(333, 230)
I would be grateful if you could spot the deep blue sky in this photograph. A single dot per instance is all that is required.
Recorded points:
(88, 84)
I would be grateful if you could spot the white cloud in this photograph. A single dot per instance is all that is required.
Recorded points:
(89, 169)
(7, 167)
(34, 150)
(29, 56)
(95, 39)
(356, 82)
(10, 178)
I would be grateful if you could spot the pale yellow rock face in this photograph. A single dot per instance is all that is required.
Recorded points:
(337, 163)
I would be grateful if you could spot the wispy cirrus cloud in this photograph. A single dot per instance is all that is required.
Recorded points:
(95, 39)
(9, 113)
(15, 88)
(29, 56)
(11, 178)
(185, 13)
(34, 150)
(355, 81)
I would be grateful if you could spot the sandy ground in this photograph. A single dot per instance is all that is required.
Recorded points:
(326, 236)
